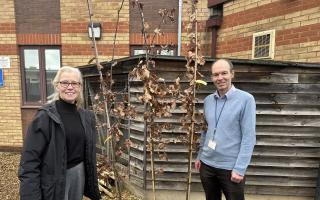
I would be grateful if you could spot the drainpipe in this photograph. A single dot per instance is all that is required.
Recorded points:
(214, 23)
(179, 27)
(214, 36)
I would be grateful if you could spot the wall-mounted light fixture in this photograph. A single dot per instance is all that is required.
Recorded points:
(96, 30)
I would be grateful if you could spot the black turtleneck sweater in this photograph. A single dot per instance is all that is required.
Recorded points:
(75, 135)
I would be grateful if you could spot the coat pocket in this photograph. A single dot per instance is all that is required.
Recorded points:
(48, 186)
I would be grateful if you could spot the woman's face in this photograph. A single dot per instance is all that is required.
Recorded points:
(69, 87)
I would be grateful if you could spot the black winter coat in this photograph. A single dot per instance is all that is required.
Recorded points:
(42, 171)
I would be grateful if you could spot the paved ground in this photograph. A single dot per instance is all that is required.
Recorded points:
(180, 195)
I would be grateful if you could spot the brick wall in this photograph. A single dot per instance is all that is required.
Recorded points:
(204, 34)
(37, 22)
(150, 10)
(297, 25)
(76, 45)
(37, 16)
(153, 19)
(10, 94)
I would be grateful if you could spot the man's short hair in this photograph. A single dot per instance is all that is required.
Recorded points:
(227, 61)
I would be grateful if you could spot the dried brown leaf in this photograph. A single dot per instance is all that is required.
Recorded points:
(157, 31)
(146, 26)
(192, 17)
(141, 6)
(161, 145)
(201, 60)
(114, 63)
(177, 81)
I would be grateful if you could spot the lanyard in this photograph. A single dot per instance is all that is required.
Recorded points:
(215, 113)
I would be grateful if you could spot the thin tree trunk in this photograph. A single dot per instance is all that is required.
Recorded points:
(152, 164)
(191, 134)
(152, 121)
(103, 88)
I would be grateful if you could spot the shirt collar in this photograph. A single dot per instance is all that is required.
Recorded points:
(227, 95)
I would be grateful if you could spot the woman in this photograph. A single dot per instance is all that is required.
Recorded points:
(58, 159)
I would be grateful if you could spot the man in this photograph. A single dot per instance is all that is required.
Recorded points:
(227, 145)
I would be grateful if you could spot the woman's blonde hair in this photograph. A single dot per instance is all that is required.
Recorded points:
(55, 96)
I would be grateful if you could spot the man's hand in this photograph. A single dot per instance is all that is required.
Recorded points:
(197, 164)
(236, 178)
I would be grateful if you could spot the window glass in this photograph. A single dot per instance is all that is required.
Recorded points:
(139, 51)
(39, 64)
(52, 64)
(32, 75)
(166, 52)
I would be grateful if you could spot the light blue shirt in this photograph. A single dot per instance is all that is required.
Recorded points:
(233, 132)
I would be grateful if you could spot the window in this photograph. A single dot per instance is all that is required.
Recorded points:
(263, 45)
(157, 50)
(139, 52)
(216, 11)
(166, 52)
(39, 65)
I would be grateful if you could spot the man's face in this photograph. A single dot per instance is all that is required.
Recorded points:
(222, 76)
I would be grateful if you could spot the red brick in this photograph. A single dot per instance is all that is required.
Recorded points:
(201, 26)
(274, 9)
(8, 49)
(82, 27)
(103, 49)
(7, 28)
(283, 37)
(167, 38)
(42, 39)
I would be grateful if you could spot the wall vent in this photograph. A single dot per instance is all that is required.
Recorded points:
(263, 45)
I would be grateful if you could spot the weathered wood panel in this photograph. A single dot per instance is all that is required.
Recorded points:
(286, 157)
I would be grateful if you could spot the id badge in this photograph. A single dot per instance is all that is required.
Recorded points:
(212, 144)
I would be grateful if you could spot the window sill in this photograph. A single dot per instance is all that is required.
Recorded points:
(31, 106)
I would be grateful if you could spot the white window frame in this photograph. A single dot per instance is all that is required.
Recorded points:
(139, 52)
(271, 44)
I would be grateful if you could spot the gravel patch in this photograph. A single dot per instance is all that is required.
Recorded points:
(9, 182)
